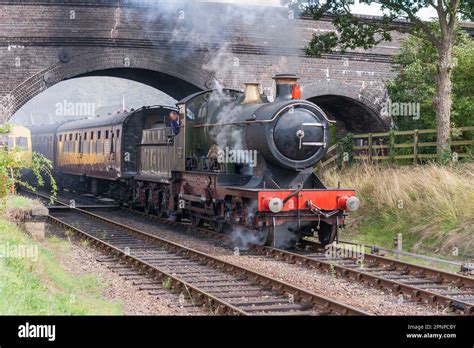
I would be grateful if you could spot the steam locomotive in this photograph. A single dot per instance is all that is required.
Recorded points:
(236, 163)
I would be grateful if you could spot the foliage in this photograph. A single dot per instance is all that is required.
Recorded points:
(346, 148)
(14, 161)
(432, 205)
(353, 31)
(416, 82)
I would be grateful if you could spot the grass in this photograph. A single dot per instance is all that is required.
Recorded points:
(40, 285)
(431, 205)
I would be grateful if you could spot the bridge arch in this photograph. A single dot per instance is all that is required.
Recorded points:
(355, 110)
(160, 72)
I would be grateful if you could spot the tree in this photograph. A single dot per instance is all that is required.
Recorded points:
(403, 16)
(416, 81)
(13, 162)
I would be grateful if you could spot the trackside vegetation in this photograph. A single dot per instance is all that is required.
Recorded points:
(431, 205)
(35, 281)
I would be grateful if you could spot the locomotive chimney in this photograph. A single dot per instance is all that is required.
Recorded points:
(285, 83)
(252, 93)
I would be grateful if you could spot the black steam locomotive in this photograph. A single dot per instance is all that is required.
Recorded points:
(234, 162)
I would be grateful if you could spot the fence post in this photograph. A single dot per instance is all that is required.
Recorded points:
(370, 147)
(319, 168)
(415, 146)
(399, 244)
(391, 146)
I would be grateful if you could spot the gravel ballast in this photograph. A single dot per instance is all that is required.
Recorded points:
(374, 301)
(81, 259)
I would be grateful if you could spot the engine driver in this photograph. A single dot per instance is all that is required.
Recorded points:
(174, 122)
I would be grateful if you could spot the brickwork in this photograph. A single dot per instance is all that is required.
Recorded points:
(45, 42)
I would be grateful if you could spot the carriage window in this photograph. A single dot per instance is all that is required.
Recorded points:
(76, 137)
(60, 137)
(98, 134)
(85, 136)
(92, 135)
(98, 149)
(118, 133)
(70, 137)
(107, 134)
(22, 143)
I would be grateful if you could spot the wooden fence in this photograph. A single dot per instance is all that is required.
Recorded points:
(398, 146)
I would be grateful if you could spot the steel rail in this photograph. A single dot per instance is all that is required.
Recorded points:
(299, 295)
(360, 274)
(283, 288)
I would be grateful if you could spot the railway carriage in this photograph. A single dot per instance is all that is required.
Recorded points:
(239, 163)
(18, 139)
(44, 140)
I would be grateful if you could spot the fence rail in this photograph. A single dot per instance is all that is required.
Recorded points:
(376, 147)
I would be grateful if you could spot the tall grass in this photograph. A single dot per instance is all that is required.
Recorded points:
(432, 205)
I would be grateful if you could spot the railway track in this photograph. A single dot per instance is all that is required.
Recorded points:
(410, 282)
(223, 287)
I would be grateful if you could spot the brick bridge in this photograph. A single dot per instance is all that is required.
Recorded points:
(180, 50)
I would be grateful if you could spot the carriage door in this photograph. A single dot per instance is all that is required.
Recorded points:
(79, 151)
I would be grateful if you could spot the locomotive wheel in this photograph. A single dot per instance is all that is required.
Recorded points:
(148, 208)
(174, 217)
(265, 236)
(197, 221)
(327, 233)
(280, 237)
(159, 209)
(162, 214)
(218, 226)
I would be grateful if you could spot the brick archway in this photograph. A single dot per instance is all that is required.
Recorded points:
(161, 72)
(355, 110)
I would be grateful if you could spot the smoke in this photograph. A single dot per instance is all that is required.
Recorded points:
(244, 238)
(284, 236)
(192, 28)
(225, 36)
